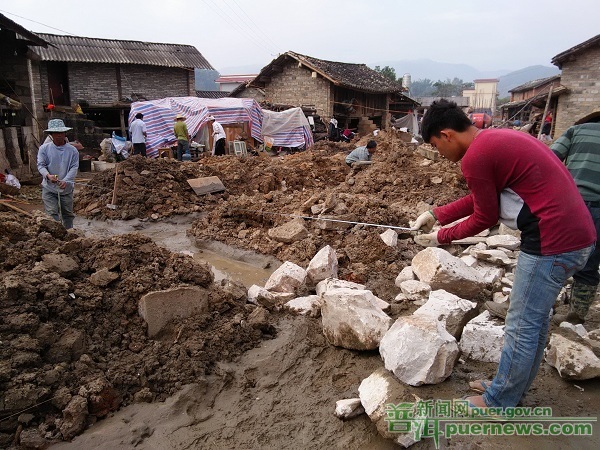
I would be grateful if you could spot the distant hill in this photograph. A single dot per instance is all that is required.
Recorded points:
(420, 69)
(205, 80)
(519, 77)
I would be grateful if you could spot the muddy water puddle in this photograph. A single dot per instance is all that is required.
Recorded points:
(243, 266)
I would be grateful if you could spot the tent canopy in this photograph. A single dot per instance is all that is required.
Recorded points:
(159, 116)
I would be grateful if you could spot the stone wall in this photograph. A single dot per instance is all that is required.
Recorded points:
(296, 86)
(582, 78)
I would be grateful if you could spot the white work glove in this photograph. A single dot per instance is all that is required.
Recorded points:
(427, 240)
(425, 222)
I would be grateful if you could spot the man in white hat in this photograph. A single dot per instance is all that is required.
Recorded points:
(218, 137)
(58, 162)
(183, 137)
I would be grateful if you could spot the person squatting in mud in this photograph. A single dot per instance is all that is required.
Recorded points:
(58, 162)
(513, 178)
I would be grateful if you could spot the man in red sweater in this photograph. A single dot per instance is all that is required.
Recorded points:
(515, 179)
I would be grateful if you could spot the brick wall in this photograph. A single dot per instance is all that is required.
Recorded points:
(296, 86)
(582, 78)
(97, 83)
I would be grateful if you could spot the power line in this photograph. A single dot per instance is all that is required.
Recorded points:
(253, 23)
(39, 23)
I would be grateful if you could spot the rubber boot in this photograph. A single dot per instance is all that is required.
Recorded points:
(582, 296)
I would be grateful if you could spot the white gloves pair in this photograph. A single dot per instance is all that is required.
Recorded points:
(425, 222)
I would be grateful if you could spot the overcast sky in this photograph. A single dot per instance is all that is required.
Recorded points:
(488, 35)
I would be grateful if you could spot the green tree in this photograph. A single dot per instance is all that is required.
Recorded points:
(422, 88)
(450, 88)
(388, 72)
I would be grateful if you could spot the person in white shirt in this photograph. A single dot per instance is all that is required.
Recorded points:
(218, 137)
(138, 133)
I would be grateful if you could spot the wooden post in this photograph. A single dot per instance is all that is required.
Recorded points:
(114, 196)
(545, 112)
(122, 117)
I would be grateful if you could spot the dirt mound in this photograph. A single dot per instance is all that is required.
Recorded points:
(264, 192)
(146, 188)
(73, 345)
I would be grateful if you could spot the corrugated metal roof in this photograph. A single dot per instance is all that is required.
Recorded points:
(111, 51)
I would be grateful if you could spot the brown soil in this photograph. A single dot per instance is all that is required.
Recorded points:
(263, 380)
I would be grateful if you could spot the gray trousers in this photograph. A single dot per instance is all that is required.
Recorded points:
(59, 206)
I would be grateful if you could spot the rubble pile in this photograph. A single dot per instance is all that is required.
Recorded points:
(73, 345)
(265, 195)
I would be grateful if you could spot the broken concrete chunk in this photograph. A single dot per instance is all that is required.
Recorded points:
(573, 359)
(323, 265)
(351, 320)
(579, 328)
(286, 278)
(503, 240)
(270, 300)
(334, 283)
(454, 312)
(503, 229)
(389, 237)
(289, 232)
(469, 260)
(310, 305)
(348, 408)
(441, 270)
(158, 308)
(404, 275)
(482, 339)
(489, 273)
(419, 350)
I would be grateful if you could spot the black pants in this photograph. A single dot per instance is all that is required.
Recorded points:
(220, 147)
(139, 149)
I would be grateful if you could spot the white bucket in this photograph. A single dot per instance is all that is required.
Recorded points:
(99, 166)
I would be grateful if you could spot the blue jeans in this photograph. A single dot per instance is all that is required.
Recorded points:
(537, 283)
(589, 274)
(59, 206)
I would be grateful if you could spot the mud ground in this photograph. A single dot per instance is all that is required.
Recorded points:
(237, 377)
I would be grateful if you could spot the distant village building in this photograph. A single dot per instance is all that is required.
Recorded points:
(483, 97)
(228, 83)
(356, 95)
(528, 100)
(580, 101)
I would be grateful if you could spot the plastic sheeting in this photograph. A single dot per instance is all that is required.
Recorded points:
(289, 128)
(159, 116)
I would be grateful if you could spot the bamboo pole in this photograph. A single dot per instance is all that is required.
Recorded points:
(545, 112)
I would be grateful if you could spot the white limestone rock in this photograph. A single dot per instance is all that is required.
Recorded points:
(469, 260)
(333, 283)
(573, 359)
(492, 256)
(491, 274)
(258, 295)
(419, 350)
(404, 275)
(351, 319)
(287, 278)
(499, 297)
(348, 408)
(323, 265)
(441, 270)
(415, 290)
(579, 328)
(389, 237)
(454, 312)
(377, 392)
(503, 229)
(310, 305)
(503, 240)
(482, 339)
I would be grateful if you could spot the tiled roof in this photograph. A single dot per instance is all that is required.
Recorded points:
(561, 57)
(111, 51)
(212, 94)
(31, 38)
(534, 83)
(353, 76)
